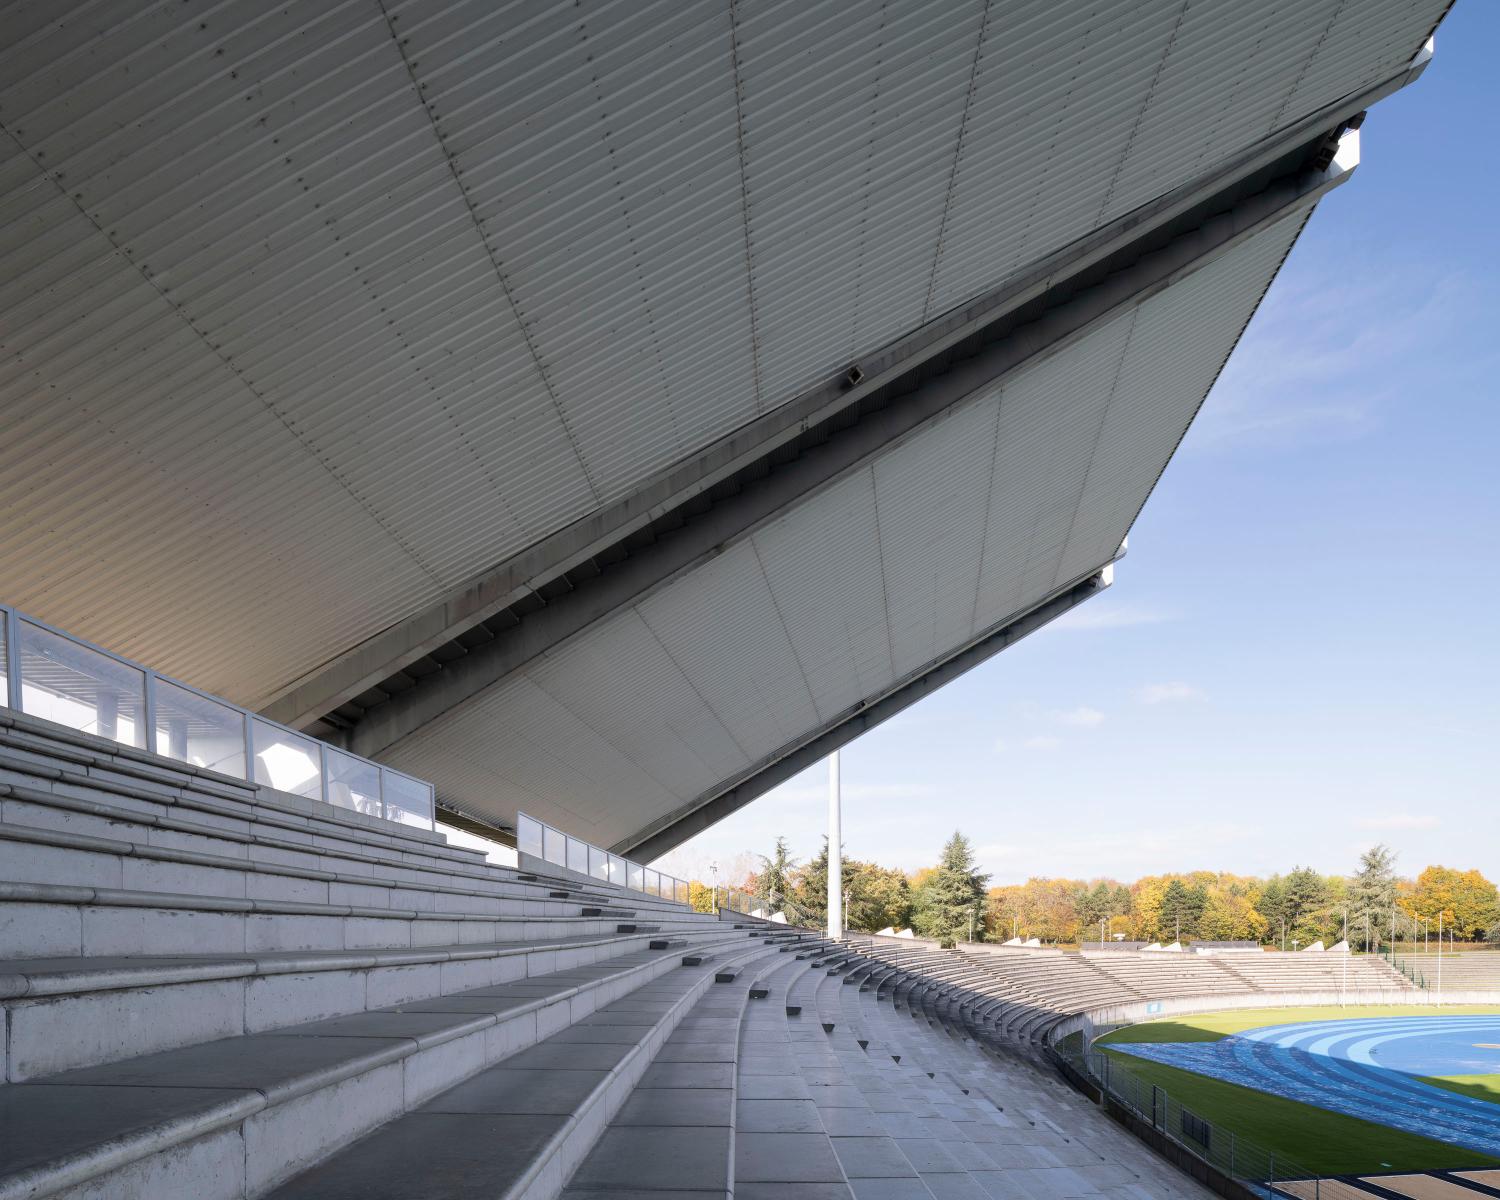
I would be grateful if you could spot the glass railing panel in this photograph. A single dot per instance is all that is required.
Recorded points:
(653, 883)
(635, 876)
(617, 873)
(554, 845)
(528, 835)
(57, 677)
(406, 800)
(195, 729)
(287, 761)
(578, 856)
(598, 863)
(81, 688)
(354, 783)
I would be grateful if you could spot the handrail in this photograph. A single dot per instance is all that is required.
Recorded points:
(746, 902)
(52, 674)
(541, 840)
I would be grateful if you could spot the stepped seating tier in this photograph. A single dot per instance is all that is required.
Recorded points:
(217, 991)
(205, 986)
(1012, 997)
(1460, 971)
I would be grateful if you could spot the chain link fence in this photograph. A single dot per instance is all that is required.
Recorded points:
(1263, 1172)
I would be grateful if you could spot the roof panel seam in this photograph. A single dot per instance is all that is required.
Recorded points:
(1083, 487)
(958, 153)
(510, 298)
(739, 139)
(226, 362)
(1140, 116)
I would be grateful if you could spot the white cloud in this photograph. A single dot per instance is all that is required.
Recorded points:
(1168, 693)
(1323, 362)
(1399, 821)
(1083, 717)
(1099, 615)
(1042, 742)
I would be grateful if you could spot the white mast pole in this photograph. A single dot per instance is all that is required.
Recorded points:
(835, 852)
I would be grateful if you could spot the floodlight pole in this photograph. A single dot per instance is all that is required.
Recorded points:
(835, 853)
(1344, 979)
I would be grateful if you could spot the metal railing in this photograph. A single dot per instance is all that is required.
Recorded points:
(738, 900)
(47, 673)
(543, 841)
(1241, 1159)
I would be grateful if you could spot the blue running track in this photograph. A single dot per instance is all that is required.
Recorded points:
(1365, 1067)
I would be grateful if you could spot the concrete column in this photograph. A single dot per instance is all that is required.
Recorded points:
(835, 852)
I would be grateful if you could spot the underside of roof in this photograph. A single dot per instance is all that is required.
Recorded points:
(601, 409)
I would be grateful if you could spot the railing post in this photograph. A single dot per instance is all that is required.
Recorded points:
(149, 716)
(249, 749)
(13, 656)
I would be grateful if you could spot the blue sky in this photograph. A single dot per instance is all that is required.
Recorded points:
(1299, 655)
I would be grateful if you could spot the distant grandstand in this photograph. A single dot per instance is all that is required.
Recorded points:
(1028, 1002)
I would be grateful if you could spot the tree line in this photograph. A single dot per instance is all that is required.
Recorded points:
(952, 901)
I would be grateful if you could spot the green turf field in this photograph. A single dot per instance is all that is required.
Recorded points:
(1326, 1142)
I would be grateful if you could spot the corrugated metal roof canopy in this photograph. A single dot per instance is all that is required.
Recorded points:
(986, 512)
(314, 311)
(313, 314)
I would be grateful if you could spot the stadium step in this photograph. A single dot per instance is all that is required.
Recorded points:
(522, 1128)
(885, 1107)
(65, 1013)
(675, 1134)
(247, 1100)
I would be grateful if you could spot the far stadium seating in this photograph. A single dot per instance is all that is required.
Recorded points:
(1015, 995)
(1464, 970)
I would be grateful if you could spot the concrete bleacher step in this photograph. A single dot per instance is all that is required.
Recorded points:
(675, 1134)
(65, 1013)
(522, 1128)
(88, 833)
(242, 1103)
